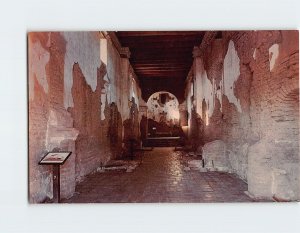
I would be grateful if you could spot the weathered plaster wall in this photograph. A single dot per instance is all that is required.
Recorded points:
(82, 48)
(246, 94)
(92, 146)
(50, 125)
(38, 57)
(275, 108)
(123, 90)
(189, 94)
(125, 93)
(231, 72)
(77, 103)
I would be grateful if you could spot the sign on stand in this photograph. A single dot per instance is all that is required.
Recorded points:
(56, 159)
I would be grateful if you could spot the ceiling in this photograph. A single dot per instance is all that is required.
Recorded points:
(161, 59)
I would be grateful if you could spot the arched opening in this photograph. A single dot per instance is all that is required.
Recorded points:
(163, 123)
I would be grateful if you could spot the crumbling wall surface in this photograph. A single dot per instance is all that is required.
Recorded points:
(125, 93)
(122, 82)
(84, 83)
(275, 113)
(76, 105)
(82, 48)
(91, 145)
(40, 177)
(50, 125)
(214, 155)
(222, 80)
(101, 95)
(247, 95)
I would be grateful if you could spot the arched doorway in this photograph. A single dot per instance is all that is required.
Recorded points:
(163, 123)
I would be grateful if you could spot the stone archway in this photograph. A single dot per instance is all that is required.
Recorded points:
(163, 115)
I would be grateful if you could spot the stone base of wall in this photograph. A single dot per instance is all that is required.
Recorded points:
(273, 170)
(214, 155)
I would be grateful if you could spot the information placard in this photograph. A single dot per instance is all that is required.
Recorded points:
(55, 157)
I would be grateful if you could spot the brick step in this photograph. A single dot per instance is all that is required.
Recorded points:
(163, 142)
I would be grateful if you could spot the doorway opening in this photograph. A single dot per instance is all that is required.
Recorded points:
(163, 123)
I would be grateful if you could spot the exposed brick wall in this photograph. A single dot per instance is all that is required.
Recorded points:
(50, 125)
(86, 115)
(56, 69)
(79, 128)
(214, 155)
(275, 107)
(40, 177)
(67, 171)
(124, 98)
(258, 120)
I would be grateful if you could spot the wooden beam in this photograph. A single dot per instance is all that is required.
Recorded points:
(159, 48)
(162, 56)
(173, 66)
(158, 60)
(161, 59)
(156, 39)
(160, 64)
(123, 51)
(157, 33)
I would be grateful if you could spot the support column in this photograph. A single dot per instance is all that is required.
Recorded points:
(144, 122)
(198, 69)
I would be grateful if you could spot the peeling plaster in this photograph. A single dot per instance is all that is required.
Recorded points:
(118, 87)
(122, 86)
(252, 161)
(209, 94)
(188, 102)
(38, 59)
(133, 89)
(208, 90)
(273, 54)
(104, 96)
(205, 90)
(103, 51)
(219, 94)
(231, 74)
(113, 72)
(56, 133)
(254, 54)
(206, 93)
(84, 49)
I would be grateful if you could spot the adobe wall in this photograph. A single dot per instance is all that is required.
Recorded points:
(78, 103)
(246, 93)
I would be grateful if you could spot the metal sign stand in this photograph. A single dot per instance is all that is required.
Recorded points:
(56, 183)
(56, 159)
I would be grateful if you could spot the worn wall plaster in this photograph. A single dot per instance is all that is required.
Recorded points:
(38, 59)
(230, 74)
(273, 55)
(204, 90)
(259, 114)
(82, 48)
(254, 54)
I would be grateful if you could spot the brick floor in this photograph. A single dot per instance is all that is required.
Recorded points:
(160, 178)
